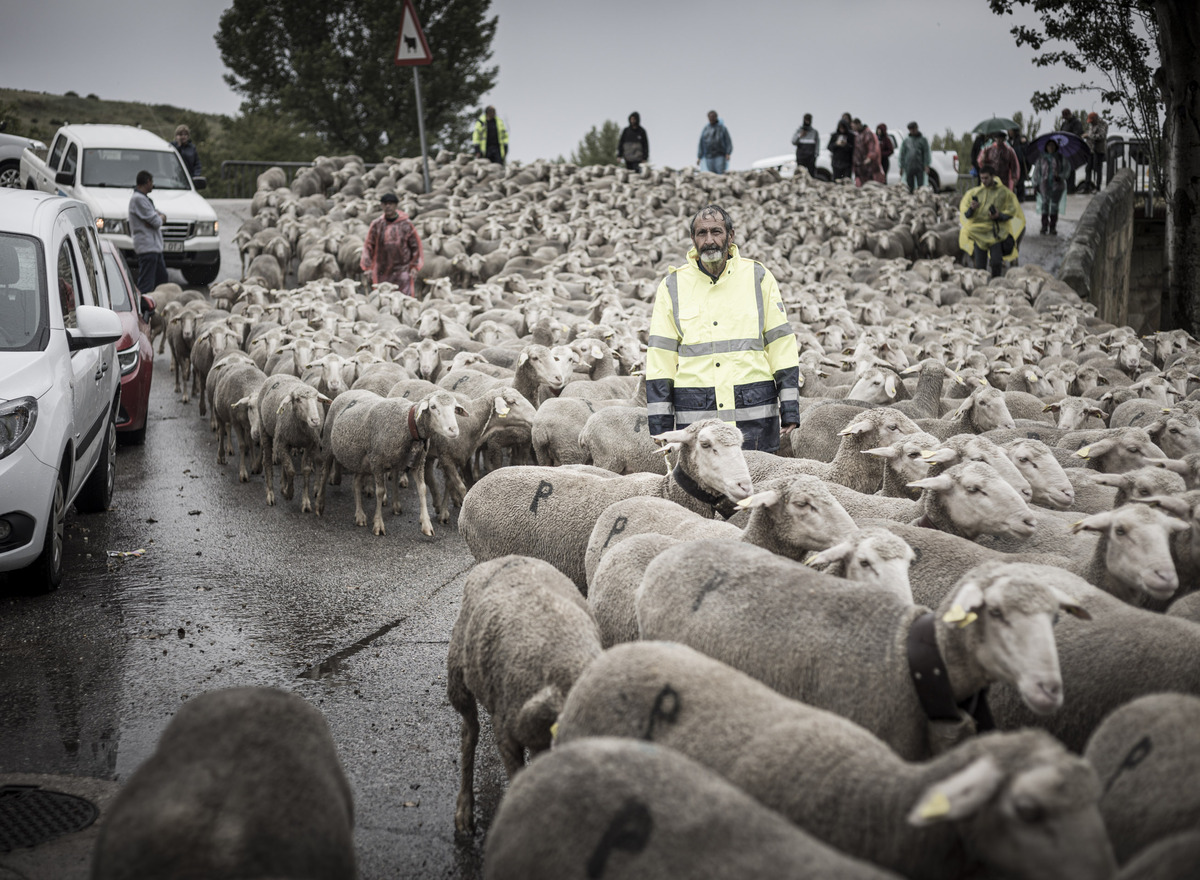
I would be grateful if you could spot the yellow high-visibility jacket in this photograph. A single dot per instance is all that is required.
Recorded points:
(479, 135)
(722, 349)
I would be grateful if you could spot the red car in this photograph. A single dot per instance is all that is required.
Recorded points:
(134, 353)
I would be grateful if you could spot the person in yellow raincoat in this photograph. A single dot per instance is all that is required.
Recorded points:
(992, 222)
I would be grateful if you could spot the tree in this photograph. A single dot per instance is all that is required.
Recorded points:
(329, 64)
(598, 147)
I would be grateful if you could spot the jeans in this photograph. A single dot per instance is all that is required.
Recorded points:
(715, 164)
(152, 271)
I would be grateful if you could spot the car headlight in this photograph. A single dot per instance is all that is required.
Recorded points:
(128, 359)
(112, 226)
(17, 418)
(207, 228)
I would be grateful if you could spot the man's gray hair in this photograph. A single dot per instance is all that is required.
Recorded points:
(712, 209)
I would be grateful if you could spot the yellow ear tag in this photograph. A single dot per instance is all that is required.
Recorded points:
(937, 804)
(1083, 453)
(968, 620)
(554, 730)
(927, 454)
(955, 614)
(745, 502)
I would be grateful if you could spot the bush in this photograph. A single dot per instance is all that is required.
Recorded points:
(92, 96)
(72, 94)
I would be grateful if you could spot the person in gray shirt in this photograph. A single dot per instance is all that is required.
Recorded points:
(145, 225)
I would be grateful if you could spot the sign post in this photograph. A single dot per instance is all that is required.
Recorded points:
(412, 50)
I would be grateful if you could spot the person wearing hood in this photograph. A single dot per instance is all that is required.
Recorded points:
(992, 221)
(1050, 184)
(720, 344)
(392, 250)
(866, 154)
(716, 146)
(634, 146)
(490, 137)
(1095, 134)
(807, 143)
(841, 151)
(915, 158)
(1003, 158)
(886, 148)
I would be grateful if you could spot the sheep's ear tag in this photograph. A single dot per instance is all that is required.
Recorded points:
(1084, 452)
(927, 454)
(963, 618)
(501, 408)
(554, 731)
(935, 806)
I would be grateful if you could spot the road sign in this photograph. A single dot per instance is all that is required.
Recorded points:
(411, 47)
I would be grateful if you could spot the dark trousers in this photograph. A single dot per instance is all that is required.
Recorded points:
(1095, 170)
(992, 258)
(152, 271)
(885, 163)
(809, 163)
(913, 179)
(633, 166)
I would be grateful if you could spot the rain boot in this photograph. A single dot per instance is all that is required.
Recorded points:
(1054, 224)
(1045, 223)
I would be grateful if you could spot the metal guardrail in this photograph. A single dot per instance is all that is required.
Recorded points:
(1133, 154)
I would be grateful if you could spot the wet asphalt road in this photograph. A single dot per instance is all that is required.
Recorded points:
(231, 592)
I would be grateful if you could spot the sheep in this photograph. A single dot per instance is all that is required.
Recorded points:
(615, 808)
(1185, 545)
(818, 769)
(290, 418)
(872, 556)
(1113, 450)
(1132, 560)
(972, 499)
(1172, 858)
(557, 426)
(375, 435)
(1187, 467)
(984, 410)
(1121, 654)
(816, 436)
(235, 386)
(380, 378)
(617, 438)
(1047, 479)
(976, 447)
(269, 269)
(789, 632)
(1145, 753)
(904, 463)
(926, 400)
(1077, 413)
(536, 366)
(548, 513)
(522, 637)
(788, 516)
(245, 782)
(1177, 434)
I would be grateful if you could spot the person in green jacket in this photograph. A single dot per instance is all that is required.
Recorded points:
(915, 158)
(490, 138)
(992, 222)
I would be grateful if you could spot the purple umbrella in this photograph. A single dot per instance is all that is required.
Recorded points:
(1070, 146)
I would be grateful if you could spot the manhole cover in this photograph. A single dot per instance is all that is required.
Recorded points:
(30, 815)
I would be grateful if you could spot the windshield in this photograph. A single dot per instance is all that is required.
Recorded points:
(119, 168)
(23, 307)
(116, 284)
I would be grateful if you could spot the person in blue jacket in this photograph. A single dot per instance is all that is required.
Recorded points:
(716, 146)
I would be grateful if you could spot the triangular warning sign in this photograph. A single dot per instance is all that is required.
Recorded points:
(411, 47)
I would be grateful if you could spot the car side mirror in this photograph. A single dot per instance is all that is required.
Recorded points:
(64, 178)
(200, 182)
(94, 326)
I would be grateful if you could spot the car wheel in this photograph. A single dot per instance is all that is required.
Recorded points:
(935, 181)
(202, 274)
(10, 174)
(97, 492)
(45, 574)
(133, 438)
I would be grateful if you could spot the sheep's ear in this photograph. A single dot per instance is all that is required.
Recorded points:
(964, 408)
(523, 358)
(766, 498)
(882, 452)
(958, 796)
(945, 455)
(950, 374)
(1117, 481)
(889, 385)
(597, 351)
(321, 398)
(1097, 449)
(1051, 407)
(460, 410)
(245, 401)
(502, 407)
(1097, 522)
(1156, 427)
(1031, 376)
(940, 483)
(860, 426)
(1069, 605)
(1175, 465)
(836, 553)
(1097, 412)
(422, 407)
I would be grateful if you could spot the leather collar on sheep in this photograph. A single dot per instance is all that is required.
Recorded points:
(412, 423)
(932, 682)
(719, 503)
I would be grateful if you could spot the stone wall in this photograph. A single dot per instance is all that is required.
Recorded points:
(1098, 259)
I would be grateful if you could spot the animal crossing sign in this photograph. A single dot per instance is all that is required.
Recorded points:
(411, 47)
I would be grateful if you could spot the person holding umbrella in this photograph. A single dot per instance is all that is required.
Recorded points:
(1050, 183)
(991, 222)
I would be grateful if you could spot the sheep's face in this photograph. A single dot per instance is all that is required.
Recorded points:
(988, 410)
(428, 359)
(875, 386)
(802, 512)
(711, 451)
(443, 412)
(1119, 454)
(979, 501)
(873, 557)
(1179, 436)
(545, 366)
(1046, 477)
(306, 410)
(1138, 552)
(1025, 802)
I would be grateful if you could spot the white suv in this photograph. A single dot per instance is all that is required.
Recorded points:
(60, 382)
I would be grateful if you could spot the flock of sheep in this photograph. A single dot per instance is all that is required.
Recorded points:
(952, 631)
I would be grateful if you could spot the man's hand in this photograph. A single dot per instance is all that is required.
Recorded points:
(974, 202)
(786, 429)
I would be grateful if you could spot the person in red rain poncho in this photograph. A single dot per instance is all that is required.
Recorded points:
(392, 251)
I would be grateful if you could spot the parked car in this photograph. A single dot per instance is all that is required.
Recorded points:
(11, 148)
(134, 352)
(943, 174)
(98, 164)
(60, 386)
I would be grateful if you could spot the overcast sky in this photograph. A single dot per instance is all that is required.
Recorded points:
(571, 64)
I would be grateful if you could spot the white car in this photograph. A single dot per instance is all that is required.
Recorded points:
(98, 164)
(943, 174)
(11, 148)
(60, 382)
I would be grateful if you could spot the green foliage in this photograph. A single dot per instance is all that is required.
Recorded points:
(599, 146)
(1120, 40)
(329, 65)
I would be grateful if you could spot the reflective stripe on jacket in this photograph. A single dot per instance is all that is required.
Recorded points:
(722, 350)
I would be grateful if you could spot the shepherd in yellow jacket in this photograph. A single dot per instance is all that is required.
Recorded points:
(490, 138)
(720, 344)
(992, 222)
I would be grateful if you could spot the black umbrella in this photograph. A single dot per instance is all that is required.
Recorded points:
(996, 123)
(1071, 147)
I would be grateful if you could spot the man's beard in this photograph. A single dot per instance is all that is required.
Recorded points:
(712, 255)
